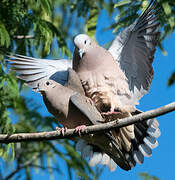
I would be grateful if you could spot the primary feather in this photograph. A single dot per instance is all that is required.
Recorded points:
(134, 50)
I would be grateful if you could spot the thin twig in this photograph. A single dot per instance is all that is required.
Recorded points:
(44, 167)
(27, 163)
(23, 37)
(52, 135)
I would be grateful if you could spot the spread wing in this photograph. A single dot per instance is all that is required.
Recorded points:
(33, 70)
(134, 49)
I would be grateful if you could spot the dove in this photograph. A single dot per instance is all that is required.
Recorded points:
(113, 80)
(56, 98)
(72, 108)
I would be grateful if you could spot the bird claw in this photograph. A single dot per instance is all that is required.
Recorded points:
(112, 111)
(90, 101)
(62, 130)
(79, 129)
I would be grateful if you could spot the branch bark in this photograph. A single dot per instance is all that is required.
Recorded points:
(52, 135)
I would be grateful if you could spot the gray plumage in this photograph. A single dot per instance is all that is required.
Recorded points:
(134, 50)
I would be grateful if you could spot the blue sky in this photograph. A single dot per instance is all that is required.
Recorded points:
(161, 164)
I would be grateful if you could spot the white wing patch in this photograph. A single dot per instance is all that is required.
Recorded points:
(33, 70)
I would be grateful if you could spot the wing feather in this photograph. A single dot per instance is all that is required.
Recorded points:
(34, 70)
(134, 49)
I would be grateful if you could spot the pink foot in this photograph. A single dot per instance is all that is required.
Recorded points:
(63, 130)
(79, 129)
(90, 101)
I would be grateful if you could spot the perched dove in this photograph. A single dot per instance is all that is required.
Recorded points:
(114, 80)
(73, 109)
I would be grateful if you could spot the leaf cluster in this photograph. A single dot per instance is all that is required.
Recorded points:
(146, 176)
(28, 27)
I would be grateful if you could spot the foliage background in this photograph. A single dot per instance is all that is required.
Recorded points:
(49, 27)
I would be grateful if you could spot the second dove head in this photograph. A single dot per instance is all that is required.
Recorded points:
(82, 42)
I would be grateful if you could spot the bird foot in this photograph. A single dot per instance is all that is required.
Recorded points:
(90, 101)
(79, 129)
(62, 130)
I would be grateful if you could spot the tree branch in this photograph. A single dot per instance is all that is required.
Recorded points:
(52, 135)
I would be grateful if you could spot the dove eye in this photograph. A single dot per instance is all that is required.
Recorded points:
(47, 83)
(85, 42)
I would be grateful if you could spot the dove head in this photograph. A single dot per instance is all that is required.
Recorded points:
(82, 43)
(46, 86)
(82, 40)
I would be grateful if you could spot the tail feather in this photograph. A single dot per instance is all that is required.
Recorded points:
(138, 157)
(153, 132)
(152, 123)
(145, 150)
(130, 160)
(105, 159)
(80, 145)
(150, 142)
(112, 165)
(95, 159)
(87, 151)
(94, 155)
(145, 139)
(116, 153)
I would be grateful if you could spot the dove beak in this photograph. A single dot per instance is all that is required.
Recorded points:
(38, 89)
(81, 53)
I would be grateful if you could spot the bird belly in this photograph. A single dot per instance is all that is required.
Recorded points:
(105, 92)
(100, 93)
(102, 97)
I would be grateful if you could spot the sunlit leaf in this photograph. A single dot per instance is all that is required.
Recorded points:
(171, 79)
(146, 176)
(122, 3)
(92, 22)
(4, 36)
(167, 8)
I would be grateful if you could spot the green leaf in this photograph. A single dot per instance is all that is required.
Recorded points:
(146, 176)
(91, 23)
(47, 6)
(172, 21)
(171, 80)
(122, 3)
(164, 52)
(167, 8)
(4, 36)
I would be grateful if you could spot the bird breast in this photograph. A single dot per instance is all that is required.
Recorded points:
(104, 90)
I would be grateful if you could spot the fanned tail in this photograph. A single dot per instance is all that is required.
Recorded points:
(115, 153)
